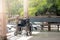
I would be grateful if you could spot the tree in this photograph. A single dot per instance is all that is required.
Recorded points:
(35, 7)
(13, 7)
(54, 7)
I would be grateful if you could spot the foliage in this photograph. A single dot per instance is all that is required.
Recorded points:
(14, 7)
(38, 7)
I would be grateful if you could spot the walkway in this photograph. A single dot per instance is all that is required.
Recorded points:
(11, 36)
(46, 36)
(37, 36)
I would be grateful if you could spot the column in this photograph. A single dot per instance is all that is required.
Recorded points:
(2, 20)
